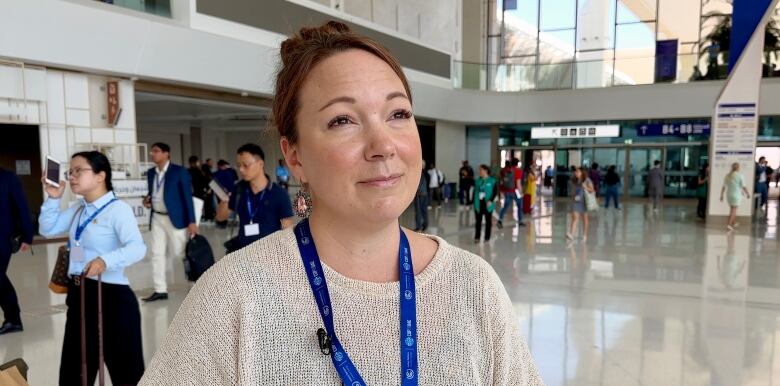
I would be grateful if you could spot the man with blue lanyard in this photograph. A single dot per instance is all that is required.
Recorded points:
(173, 214)
(262, 206)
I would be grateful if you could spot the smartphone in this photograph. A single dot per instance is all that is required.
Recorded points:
(52, 171)
(219, 190)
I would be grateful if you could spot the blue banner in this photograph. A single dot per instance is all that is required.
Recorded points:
(510, 5)
(673, 129)
(665, 60)
(746, 16)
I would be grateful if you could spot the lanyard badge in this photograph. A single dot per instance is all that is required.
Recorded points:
(346, 369)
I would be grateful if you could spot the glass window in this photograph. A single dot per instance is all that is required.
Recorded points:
(556, 46)
(595, 25)
(558, 14)
(555, 76)
(677, 19)
(635, 39)
(634, 11)
(517, 74)
(594, 69)
(526, 14)
(519, 42)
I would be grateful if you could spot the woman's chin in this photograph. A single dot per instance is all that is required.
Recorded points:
(386, 209)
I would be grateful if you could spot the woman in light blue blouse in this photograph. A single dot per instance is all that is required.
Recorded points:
(104, 239)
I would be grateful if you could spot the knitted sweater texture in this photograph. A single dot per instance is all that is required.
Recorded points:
(252, 320)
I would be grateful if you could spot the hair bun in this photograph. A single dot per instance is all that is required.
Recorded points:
(311, 36)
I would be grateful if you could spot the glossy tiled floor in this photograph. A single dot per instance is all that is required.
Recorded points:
(651, 299)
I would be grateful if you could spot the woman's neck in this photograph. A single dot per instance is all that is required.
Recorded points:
(95, 194)
(367, 252)
(258, 183)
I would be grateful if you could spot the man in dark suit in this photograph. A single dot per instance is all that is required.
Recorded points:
(16, 222)
(173, 214)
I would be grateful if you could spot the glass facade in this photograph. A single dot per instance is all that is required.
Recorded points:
(563, 44)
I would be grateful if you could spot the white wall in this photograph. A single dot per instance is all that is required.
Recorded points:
(71, 111)
(450, 148)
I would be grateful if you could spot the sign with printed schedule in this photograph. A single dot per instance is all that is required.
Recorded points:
(133, 192)
(584, 131)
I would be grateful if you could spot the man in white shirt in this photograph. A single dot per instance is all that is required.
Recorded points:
(435, 183)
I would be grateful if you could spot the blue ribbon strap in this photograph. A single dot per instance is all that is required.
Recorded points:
(346, 369)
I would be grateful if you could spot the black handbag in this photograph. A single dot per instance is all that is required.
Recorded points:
(198, 257)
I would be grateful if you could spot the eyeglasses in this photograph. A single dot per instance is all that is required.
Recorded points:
(75, 173)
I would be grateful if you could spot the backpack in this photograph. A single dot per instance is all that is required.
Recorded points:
(508, 180)
(198, 257)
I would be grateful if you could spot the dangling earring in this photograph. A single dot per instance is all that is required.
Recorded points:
(302, 206)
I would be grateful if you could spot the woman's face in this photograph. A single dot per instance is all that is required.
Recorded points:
(358, 146)
(578, 174)
(82, 178)
(483, 173)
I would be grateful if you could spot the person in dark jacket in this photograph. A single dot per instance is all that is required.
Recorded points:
(17, 222)
(421, 204)
(612, 181)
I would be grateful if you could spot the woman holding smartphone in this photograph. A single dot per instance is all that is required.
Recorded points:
(103, 239)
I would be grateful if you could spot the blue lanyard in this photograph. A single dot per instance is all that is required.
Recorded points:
(80, 229)
(249, 199)
(408, 340)
(159, 181)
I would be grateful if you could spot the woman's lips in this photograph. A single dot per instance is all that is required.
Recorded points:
(382, 181)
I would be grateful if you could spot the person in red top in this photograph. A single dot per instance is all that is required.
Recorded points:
(510, 186)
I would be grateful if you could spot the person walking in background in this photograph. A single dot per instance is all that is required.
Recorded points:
(511, 188)
(208, 168)
(200, 182)
(702, 186)
(529, 190)
(15, 227)
(734, 189)
(282, 175)
(763, 175)
(595, 177)
(580, 186)
(465, 184)
(655, 184)
(104, 239)
(173, 214)
(612, 181)
(209, 207)
(548, 177)
(262, 206)
(435, 182)
(421, 204)
(226, 177)
(485, 197)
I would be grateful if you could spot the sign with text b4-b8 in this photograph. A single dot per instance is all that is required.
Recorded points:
(584, 131)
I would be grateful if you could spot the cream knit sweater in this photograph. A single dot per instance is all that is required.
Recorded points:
(252, 320)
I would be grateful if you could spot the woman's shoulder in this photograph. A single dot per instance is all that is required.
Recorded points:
(464, 264)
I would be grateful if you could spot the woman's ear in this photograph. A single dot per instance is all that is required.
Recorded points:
(292, 157)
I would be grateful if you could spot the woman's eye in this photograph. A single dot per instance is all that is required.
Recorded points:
(339, 121)
(402, 114)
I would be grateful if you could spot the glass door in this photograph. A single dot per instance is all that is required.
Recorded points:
(682, 169)
(639, 164)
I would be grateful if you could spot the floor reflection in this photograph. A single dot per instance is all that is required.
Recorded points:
(652, 298)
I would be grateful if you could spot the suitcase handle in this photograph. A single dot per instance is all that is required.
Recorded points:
(101, 374)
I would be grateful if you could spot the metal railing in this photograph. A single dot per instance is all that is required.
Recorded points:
(581, 74)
